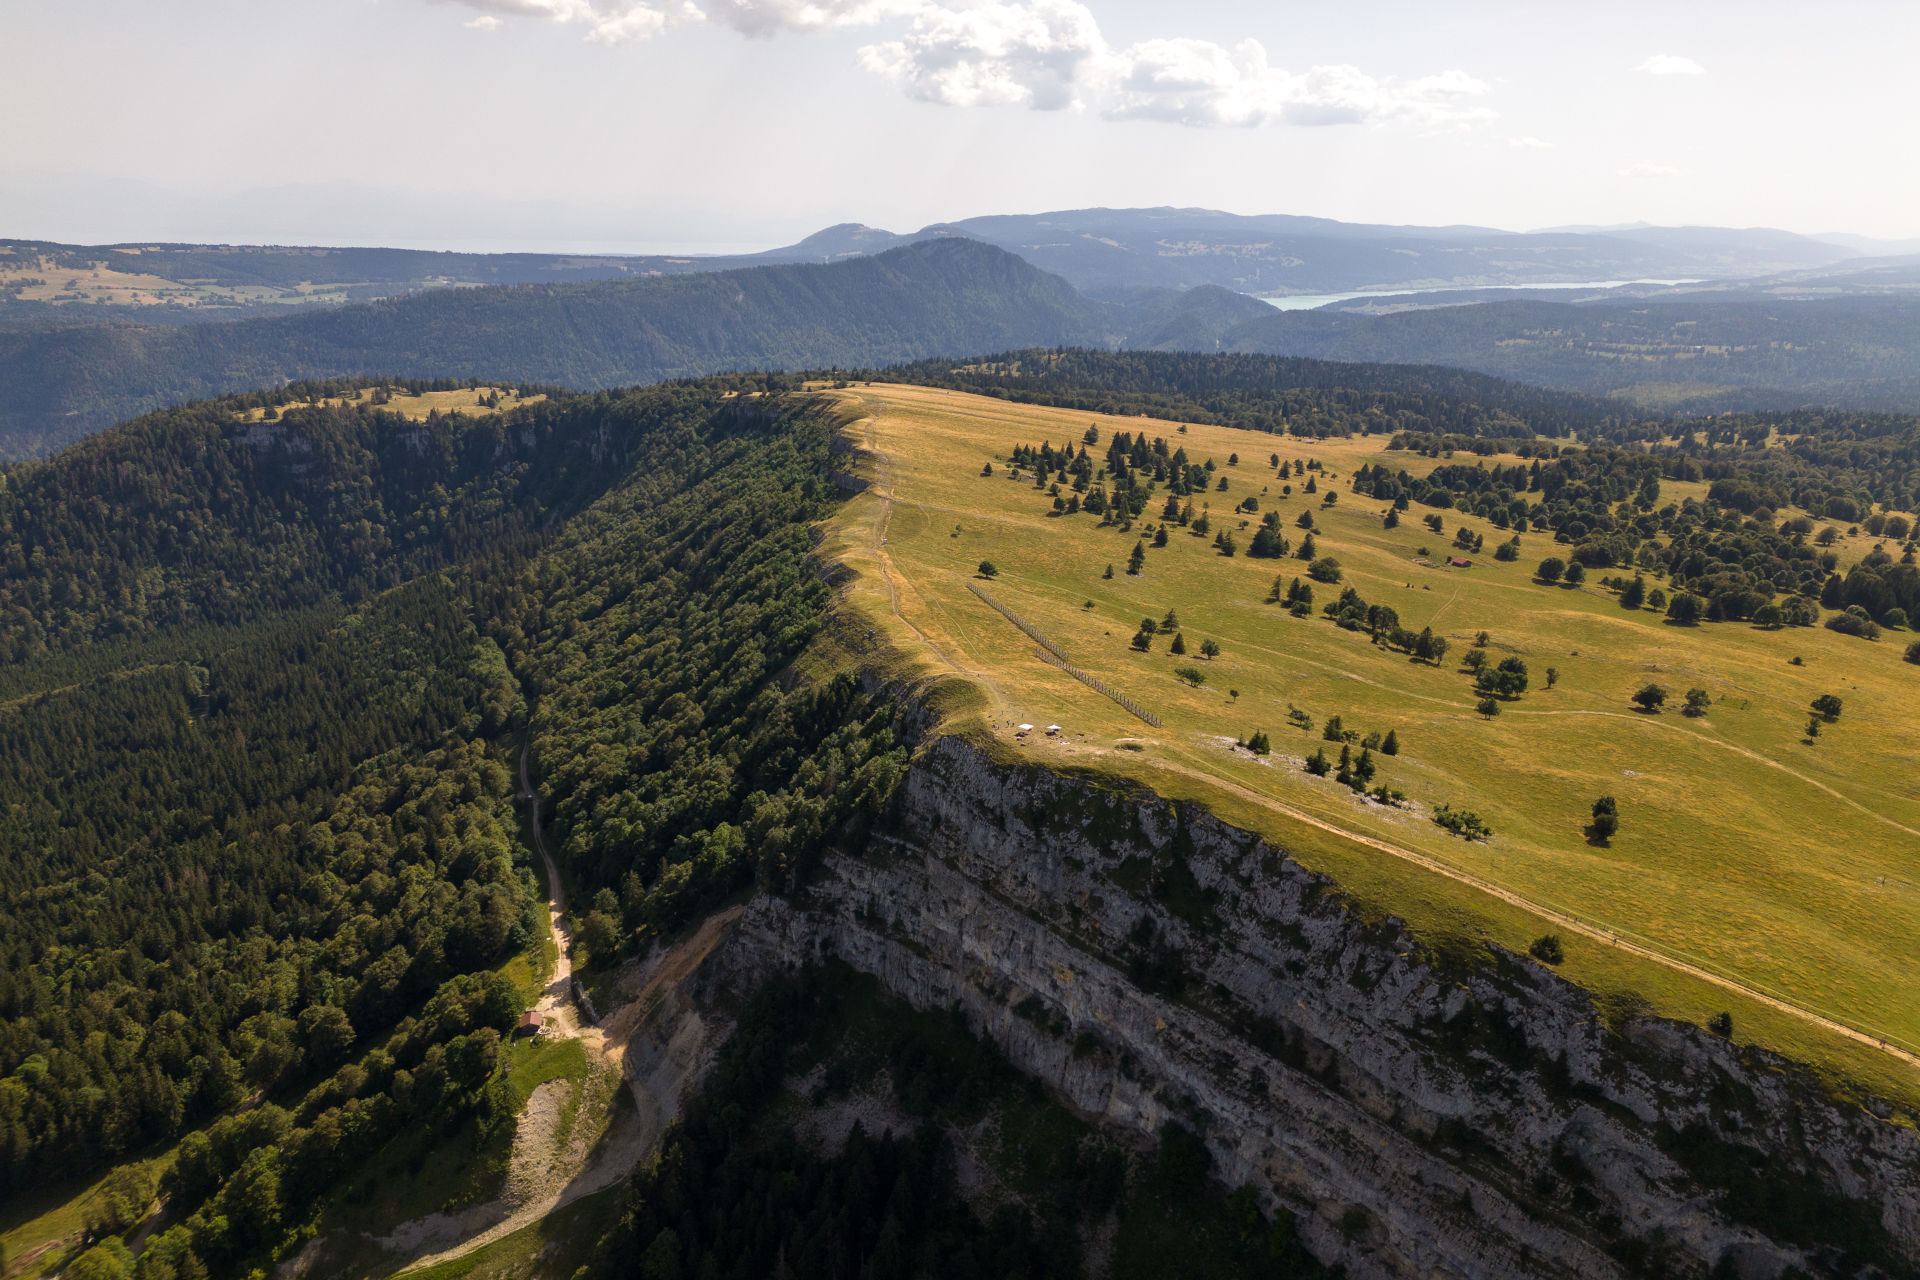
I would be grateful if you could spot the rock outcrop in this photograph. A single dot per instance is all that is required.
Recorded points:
(1422, 1114)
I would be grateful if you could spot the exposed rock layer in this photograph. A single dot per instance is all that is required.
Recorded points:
(1472, 1118)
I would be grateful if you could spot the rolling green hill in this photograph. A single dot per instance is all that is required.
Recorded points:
(1659, 355)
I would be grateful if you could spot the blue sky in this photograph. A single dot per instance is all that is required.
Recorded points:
(712, 124)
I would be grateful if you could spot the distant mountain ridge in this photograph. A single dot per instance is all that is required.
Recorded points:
(1099, 251)
(943, 296)
(1103, 251)
(1728, 347)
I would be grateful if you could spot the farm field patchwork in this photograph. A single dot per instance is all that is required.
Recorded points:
(1786, 865)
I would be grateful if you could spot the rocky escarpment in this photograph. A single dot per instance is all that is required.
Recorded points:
(1423, 1115)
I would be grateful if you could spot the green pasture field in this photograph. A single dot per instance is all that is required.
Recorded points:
(417, 405)
(1744, 850)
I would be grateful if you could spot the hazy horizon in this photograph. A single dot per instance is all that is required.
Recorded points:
(720, 125)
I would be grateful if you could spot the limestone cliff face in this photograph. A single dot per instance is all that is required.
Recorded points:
(1422, 1118)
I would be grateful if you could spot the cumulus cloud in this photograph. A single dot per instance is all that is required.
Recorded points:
(1670, 64)
(1050, 55)
(606, 23)
(1198, 82)
(1035, 55)
(768, 17)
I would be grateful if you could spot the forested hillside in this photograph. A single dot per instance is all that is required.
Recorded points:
(939, 296)
(1661, 354)
(262, 846)
(1295, 396)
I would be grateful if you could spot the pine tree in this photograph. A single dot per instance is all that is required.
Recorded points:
(1138, 558)
(1179, 645)
(1390, 746)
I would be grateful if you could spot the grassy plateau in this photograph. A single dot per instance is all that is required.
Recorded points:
(1754, 871)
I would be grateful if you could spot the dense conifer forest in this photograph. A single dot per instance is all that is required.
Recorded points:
(1272, 393)
(268, 860)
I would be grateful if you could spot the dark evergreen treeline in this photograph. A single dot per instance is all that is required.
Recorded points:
(271, 849)
(191, 517)
(653, 633)
(204, 858)
(1268, 393)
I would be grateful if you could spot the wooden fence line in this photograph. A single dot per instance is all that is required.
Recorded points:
(1054, 654)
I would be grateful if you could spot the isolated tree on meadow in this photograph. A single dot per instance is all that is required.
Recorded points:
(1209, 649)
(1606, 819)
(1697, 703)
(1179, 645)
(1827, 707)
(988, 569)
(1651, 698)
(1138, 558)
(1551, 569)
(1390, 745)
(1553, 676)
(1547, 949)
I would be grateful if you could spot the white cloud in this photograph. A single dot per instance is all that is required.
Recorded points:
(1647, 170)
(767, 17)
(612, 23)
(1035, 55)
(1670, 64)
(1530, 143)
(1197, 82)
(557, 10)
(1049, 55)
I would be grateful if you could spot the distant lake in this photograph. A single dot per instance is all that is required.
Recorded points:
(1308, 301)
